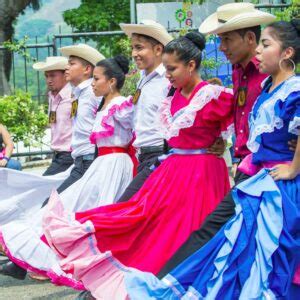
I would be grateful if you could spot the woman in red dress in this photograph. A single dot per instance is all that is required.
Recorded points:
(98, 245)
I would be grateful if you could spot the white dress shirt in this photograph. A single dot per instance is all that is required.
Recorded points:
(154, 88)
(84, 120)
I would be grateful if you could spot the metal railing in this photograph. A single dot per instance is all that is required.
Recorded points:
(22, 76)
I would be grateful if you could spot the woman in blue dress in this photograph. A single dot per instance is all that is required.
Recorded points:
(256, 253)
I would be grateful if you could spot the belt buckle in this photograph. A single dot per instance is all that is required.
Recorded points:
(88, 157)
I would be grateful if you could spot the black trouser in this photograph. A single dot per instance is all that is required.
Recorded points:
(212, 224)
(80, 167)
(145, 162)
(61, 161)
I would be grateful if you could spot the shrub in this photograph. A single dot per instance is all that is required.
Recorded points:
(24, 118)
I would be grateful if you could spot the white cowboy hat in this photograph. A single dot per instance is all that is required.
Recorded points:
(234, 16)
(86, 52)
(52, 63)
(149, 28)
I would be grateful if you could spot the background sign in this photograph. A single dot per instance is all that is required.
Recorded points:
(178, 14)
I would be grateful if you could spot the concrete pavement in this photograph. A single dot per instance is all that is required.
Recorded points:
(30, 289)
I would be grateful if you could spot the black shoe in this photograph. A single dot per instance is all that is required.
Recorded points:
(13, 270)
(4, 260)
(85, 295)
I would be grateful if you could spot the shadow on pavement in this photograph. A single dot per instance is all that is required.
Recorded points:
(58, 295)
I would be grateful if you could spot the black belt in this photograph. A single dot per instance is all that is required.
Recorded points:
(61, 152)
(151, 149)
(89, 157)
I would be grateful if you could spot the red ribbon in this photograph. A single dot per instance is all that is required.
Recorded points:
(130, 151)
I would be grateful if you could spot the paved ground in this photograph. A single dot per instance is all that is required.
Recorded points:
(28, 289)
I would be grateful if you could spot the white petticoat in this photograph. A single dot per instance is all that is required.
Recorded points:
(22, 191)
(103, 183)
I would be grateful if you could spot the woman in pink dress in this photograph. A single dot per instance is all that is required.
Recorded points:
(98, 245)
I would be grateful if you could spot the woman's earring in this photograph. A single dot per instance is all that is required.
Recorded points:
(190, 73)
(111, 89)
(290, 60)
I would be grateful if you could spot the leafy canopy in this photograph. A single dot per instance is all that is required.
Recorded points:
(98, 15)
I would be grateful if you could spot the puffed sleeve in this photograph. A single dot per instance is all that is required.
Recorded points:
(124, 113)
(290, 111)
(121, 112)
(220, 109)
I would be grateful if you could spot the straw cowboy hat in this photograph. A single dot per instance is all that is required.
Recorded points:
(52, 63)
(86, 52)
(149, 28)
(234, 16)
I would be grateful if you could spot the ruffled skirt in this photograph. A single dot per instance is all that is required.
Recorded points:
(103, 183)
(254, 256)
(99, 246)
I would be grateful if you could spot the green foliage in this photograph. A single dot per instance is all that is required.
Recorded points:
(24, 54)
(289, 13)
(208, 66)
(100, 15)
(24, 118)
(124, 46)
(131, 81)
(20, 47)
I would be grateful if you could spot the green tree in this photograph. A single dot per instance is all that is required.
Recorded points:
(24, 118)
(99, 15)
(102, 15)
(292, 12)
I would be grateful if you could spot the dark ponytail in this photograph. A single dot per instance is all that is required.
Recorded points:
(116, 67)
(188, 47)
(288, 33)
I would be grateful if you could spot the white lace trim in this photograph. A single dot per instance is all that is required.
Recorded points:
(185, 117)
(264, 82)
(294, 126)
(229, 132)
(266, 121)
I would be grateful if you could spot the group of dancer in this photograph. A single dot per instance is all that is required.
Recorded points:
(167, 226)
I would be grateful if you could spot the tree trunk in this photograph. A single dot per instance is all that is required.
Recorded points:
(4, 85)
(9, 11)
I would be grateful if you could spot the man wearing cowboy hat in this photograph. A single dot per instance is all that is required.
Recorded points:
(59, 112)
(148, 39)
(79, 71)
(238, 27)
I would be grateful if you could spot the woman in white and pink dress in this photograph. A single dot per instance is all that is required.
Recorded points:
(102, 184)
